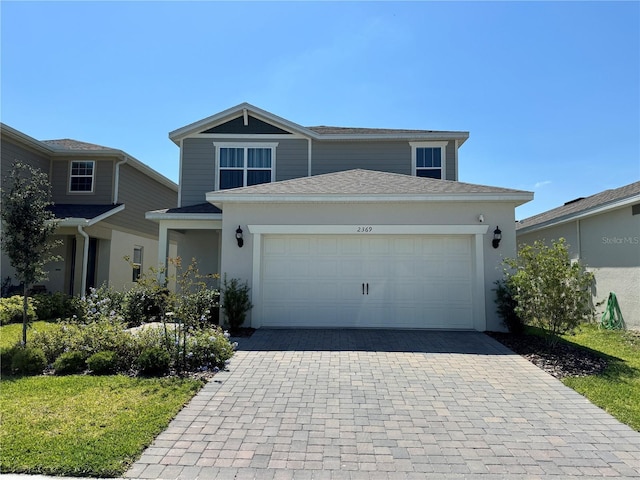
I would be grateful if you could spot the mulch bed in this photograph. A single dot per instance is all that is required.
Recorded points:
(561, 360)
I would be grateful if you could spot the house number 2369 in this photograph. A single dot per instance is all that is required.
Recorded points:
(364, 229)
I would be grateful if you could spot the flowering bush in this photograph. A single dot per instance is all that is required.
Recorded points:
(208, 348)
(103, 302)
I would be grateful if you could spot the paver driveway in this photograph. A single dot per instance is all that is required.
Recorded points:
(347, 404)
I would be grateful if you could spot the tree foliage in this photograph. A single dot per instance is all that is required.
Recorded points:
(550, 291)
(27, 226)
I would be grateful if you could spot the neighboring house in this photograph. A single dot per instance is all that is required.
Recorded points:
(603, 232)
(100, 198)
(340, 227)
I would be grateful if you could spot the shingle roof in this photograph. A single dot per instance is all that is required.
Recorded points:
(199, 208)
(576, 207)
(365, 182)
(65, 210)
(70, 144)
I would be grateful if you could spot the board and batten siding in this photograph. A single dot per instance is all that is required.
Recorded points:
(141, 194)
(103, 182)
(12, 152)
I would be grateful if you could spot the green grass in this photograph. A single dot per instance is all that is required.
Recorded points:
(617, 389)
(82, 425)
(12, 333)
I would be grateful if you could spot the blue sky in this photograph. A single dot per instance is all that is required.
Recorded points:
(549, 91)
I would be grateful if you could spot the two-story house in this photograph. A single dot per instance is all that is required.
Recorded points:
(100, 197)
(340, 227)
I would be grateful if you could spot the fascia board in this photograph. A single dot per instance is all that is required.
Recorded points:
(187, 130)
(517, 198)
(431, 136)
(581, 215)
(111, 212)
(161, 216)
(25, 139)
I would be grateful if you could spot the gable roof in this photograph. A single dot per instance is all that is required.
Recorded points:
(367, 186)
(68, 147)
(582, 207)
(317, 133)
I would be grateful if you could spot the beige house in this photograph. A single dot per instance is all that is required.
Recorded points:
(100, 197)
(341, 227)
(603, 232)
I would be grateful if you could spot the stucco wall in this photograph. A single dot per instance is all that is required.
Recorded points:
(609, 245)
(238, 262)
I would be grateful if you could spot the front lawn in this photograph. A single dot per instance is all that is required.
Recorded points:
(617, 389)
(81, 424)
(84, 425)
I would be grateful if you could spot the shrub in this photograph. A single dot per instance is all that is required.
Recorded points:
(144, 303)
(236, 302)
(6, 358)
(103, 363)
(506, 307)
(56, 305)
(11, 310)
(103, 302)
(153, 361)
(28, 361)
(208, 348)
(97, 336)
(70, 362)
(552, 292)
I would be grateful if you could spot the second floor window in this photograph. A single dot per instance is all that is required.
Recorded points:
(82, 176)
(242, 166)
(428, 159)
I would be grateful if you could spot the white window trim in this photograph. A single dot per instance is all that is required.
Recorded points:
(136, 264)
(93, 177)
(245, 146)
(443, 154)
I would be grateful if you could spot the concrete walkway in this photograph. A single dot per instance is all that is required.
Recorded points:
(331, 404)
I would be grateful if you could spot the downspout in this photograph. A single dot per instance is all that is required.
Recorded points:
(85, 260)
(117, 180)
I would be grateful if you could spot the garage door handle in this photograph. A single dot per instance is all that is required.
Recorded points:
(367, 289)
(363, 288)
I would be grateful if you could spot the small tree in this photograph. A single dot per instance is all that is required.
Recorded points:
(235, 302)
(27, 227)
(550, 291)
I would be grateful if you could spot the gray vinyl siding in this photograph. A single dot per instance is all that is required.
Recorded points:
(12, 152)
(291, 159)
(141, 194)
(198, 170)
(452, 168)
(103, 182)
(199, 164)
(393, 157)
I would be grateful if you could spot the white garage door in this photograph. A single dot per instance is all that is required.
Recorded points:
(377, 281)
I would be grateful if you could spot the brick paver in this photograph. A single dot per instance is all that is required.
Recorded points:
(347, 404)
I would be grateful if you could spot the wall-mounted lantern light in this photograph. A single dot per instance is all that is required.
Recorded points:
(239, 238)
(497, 236)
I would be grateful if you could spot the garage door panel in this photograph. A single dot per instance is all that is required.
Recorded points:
(414, 281)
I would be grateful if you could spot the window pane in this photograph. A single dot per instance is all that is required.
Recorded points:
(230, 179)
(231, 157)
(81, 184)
(429, 173)
(259, 158)
(428, 157)
(137, 255)
(436, 157)
(81, 168)
(254, 177)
